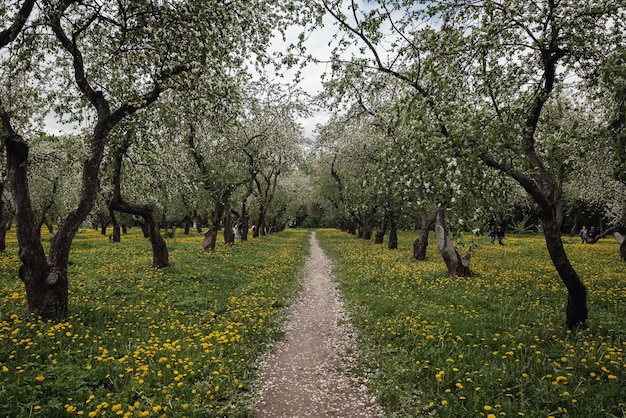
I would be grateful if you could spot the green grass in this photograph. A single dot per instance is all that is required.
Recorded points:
(491, 345)
(182, 341)
(185, 340)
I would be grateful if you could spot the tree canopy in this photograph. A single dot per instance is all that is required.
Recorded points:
(452, 116)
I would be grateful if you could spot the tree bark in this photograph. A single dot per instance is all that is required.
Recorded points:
(458, 265)
(367, 232)
(210, 239)
(379, 238)
(229, 235)
(421, 243)
(3, 220)
(46, 285)
(576, 310)
(621, 240)
(116, 236)
(393, 236)
(160, 254)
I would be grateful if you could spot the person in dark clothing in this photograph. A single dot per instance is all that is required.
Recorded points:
(500, 234)
(591, 235)
(492, 234)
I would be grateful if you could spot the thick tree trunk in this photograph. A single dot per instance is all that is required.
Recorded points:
(244, 231)
(44, 221)
(243, 219)
(458, 265)
(380, 234)
(46, 286)
(3, 235)
(229, 234)
(116, 236)
(210, 239)
(3, 221)
(621, 240)
(576, 311)
(421, 243)
(160, 254)
(259, 225)
(187, 225)
(393, 236)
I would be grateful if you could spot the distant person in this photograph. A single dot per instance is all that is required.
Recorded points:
(584, 234)
(591, 235)
(492, 234)
(500, 234)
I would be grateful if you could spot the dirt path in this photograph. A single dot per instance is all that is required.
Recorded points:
(305, 375)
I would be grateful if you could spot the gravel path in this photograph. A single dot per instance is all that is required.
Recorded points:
(305, 375)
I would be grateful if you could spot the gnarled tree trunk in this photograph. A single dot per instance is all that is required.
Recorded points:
(229, 234)
(576, 310)
(160, 254)
(117, 233)
(393, 236)
(46, 285)
(458, 265)
(421, 243)
(210, 239)
(379, 238)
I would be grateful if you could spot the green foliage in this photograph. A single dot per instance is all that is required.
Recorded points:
(182, 341)
(491, 345)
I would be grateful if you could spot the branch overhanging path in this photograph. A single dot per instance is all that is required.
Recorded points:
(306, 373)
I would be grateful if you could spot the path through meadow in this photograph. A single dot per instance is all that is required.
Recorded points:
(306, 374)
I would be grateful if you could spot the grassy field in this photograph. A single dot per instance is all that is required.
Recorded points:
(182, 341)
(185, 340)
(492, 345)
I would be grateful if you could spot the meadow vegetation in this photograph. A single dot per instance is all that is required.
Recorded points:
(186, 340)
(491, 345)
(182, 341)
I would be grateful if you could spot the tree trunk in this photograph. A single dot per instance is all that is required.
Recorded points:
(46, 286)
(421, 243)
(393, 237)
(576, 310)
(621, 240)
(210, 238)
(187, 225)
(44, 221)
(244, 231)
(160, 254)
(3, 221)
(380, 234)
(229, 234)
(458, 265)
(116, 236)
